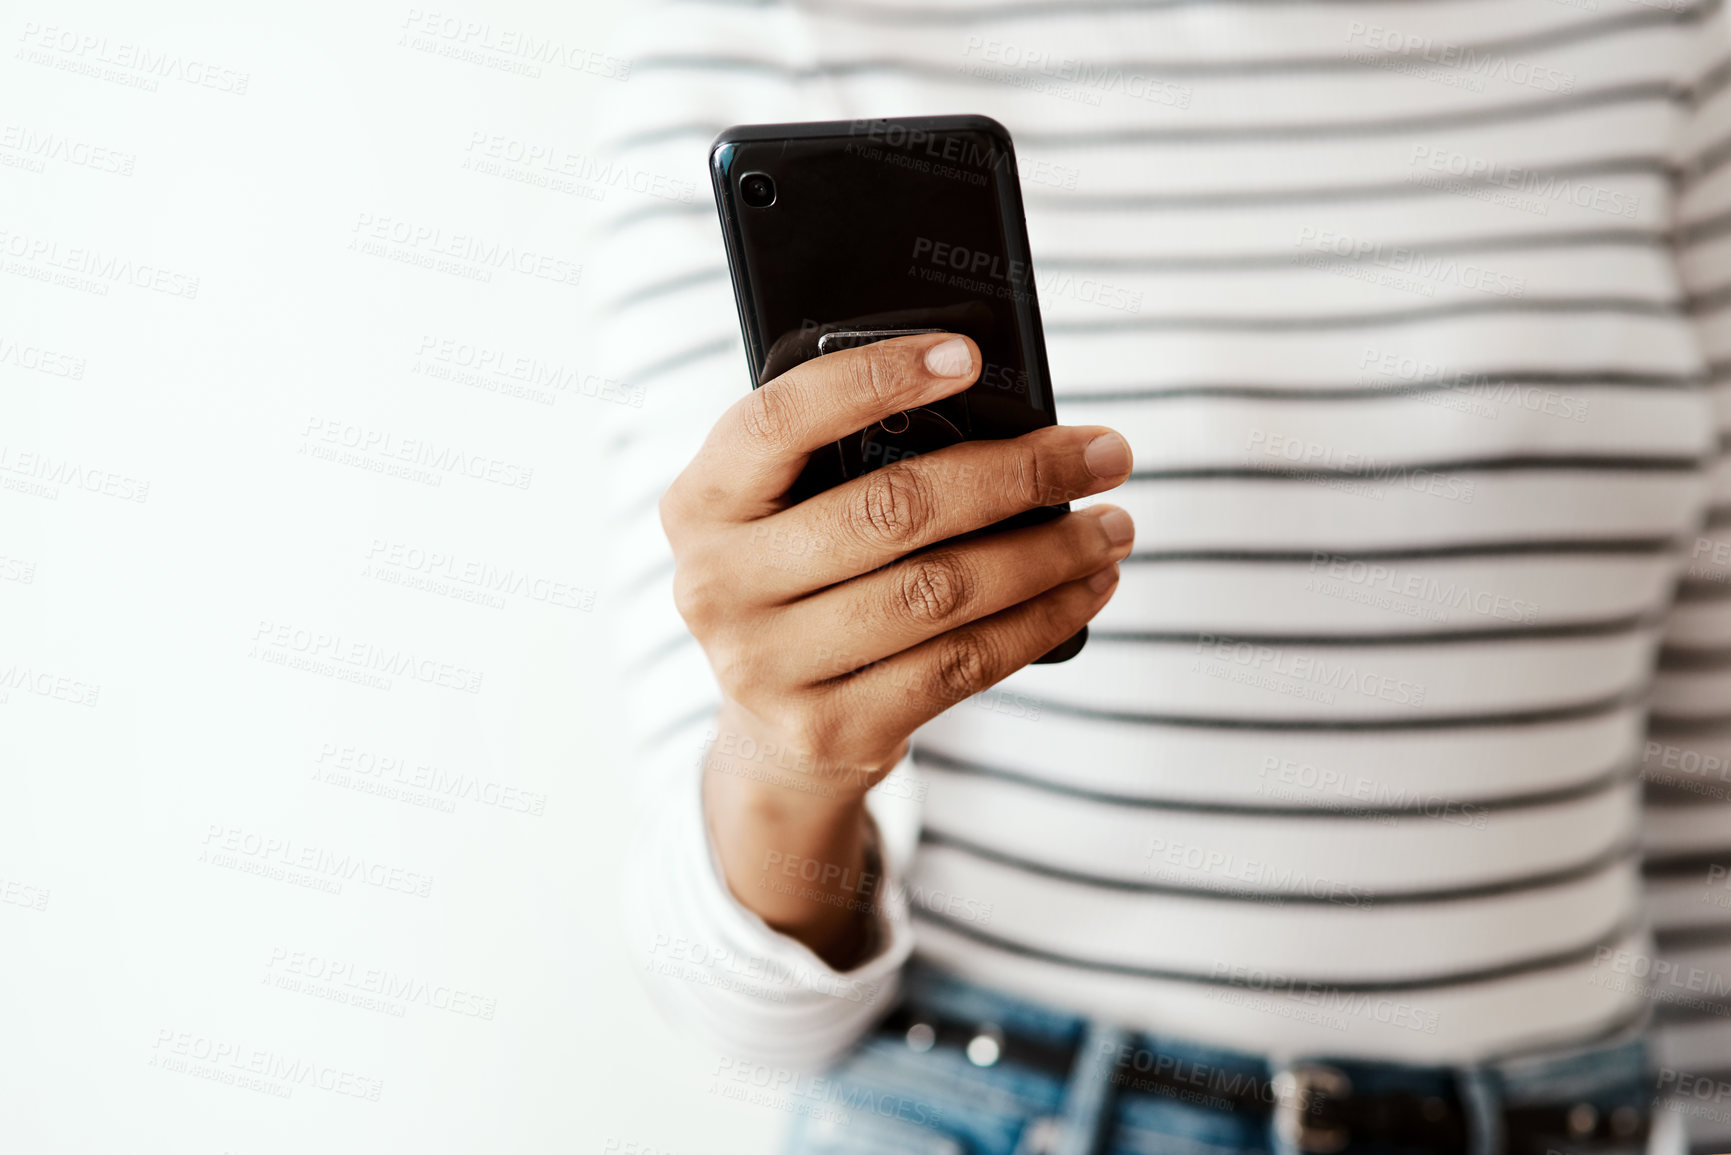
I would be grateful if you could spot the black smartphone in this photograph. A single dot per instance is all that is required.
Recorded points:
(841, 233)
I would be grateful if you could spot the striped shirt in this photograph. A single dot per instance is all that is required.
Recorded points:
(1408, 731)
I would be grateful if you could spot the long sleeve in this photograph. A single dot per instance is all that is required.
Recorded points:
(1687, 762)
(664, 325)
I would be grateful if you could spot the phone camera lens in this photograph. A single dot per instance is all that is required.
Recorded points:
(757, 190)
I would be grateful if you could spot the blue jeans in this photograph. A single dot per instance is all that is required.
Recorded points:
(885, 1096)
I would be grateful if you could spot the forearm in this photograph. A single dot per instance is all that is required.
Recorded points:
(793, 845)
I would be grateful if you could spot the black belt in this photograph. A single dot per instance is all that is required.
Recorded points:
(1312, 1103)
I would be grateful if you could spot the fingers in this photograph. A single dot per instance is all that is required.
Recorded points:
(916, 685)
(934, 591)
(758, 447)
(872, 520)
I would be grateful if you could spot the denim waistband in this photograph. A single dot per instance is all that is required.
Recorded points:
(1551, 1075)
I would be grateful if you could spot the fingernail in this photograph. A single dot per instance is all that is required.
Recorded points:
(1118, 526)
(1108, 455)
(1102, 581)
(950, 358)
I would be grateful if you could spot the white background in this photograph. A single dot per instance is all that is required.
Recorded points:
(192, 324)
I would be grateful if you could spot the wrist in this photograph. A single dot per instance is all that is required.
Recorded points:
(761, 770)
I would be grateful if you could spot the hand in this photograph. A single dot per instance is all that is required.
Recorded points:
(837, 626)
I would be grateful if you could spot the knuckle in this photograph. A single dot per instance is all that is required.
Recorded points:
(890, 506)
(741, 668)
(769, 417)
(670, 508)
(695, 596)
(931, 590)
(872, 379)
(1035, 478)
(964, 666)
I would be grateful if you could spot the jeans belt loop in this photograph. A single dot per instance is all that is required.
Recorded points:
(1088, 1098)
(1298, 1086)
(1481, 1096)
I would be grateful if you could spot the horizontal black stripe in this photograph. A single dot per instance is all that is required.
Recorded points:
(656, 654)
(1684, 1009)
(1470, 384)
(681, 358)
(1277, 323)
(1605, 627)
(1685, 866)
(1556, 960)
(1704, 230)
(1702, 164)
(683, 722)
(1556, 548)
(1675, 725)
(1701, 590)
(1692, 658)
(1590, 463)
(1552, 181)
(1681, 793)
(1711, 82)
(666, 287)
(1283, 258)
(1693, 937)
(1362, 898)
(1646, 92)
(646, 579)
(1326, 62)
(925, 756)
(1028, 9)
(1481, 720)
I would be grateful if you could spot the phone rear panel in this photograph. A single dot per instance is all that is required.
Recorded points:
(878, 228)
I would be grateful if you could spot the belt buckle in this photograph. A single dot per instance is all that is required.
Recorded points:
(1297, 1089)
